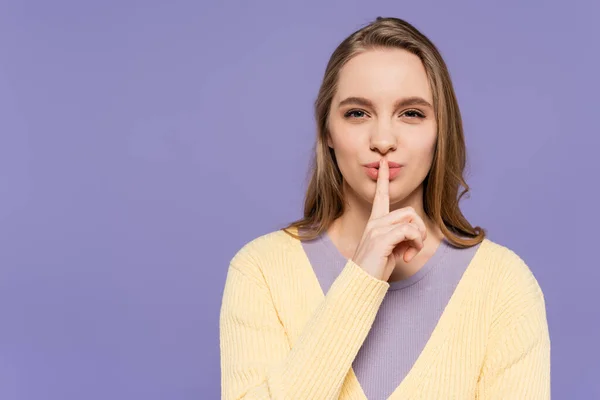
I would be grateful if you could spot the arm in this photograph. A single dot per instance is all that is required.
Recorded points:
(517, 365)
(256, 359)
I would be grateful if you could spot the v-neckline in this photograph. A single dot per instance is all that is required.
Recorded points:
(435, 343)
(432, 262)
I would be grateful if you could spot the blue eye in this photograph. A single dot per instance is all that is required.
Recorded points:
(354, 114)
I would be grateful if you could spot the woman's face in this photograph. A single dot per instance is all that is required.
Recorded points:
(383, 107)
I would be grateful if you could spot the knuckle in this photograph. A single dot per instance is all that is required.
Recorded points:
(410, 230)
(403, 228)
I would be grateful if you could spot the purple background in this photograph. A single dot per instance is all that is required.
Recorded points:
(143, 142)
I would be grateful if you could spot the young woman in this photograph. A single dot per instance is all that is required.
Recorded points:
(383, 290)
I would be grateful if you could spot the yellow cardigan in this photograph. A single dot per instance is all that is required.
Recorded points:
(281, 337)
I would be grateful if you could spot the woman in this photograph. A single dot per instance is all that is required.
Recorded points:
(383, 290)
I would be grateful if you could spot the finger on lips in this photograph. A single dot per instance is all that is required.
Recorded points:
(381, 202)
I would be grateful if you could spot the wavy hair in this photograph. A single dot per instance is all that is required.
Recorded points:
(324, 200)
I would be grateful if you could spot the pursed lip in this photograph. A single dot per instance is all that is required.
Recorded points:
(375, 164)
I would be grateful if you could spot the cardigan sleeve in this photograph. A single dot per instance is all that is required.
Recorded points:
(257, 360)
(517, 363)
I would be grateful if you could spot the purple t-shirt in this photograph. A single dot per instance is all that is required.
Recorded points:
(407, 316)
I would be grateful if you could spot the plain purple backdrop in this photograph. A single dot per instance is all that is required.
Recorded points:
(143, 143)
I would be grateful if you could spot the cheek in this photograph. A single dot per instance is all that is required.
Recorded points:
(346, 144)
(344, 156)
(423, 146)
(347, 156)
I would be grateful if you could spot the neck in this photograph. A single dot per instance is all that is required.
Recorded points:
(347, 230)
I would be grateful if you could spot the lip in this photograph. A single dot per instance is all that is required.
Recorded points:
(375, 164)
(372, 170)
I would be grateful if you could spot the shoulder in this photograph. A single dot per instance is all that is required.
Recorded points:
(269, 248)
(511, 279)
(505, 263)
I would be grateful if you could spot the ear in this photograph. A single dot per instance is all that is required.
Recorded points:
(329, 141)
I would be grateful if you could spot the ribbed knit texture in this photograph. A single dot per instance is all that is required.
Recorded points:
(407, 316)
(282, 338)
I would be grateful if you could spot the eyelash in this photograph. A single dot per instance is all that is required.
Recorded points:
(418, 113)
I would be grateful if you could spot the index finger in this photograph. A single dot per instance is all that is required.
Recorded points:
(381, 202)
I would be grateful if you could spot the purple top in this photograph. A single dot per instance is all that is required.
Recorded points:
(407, 316)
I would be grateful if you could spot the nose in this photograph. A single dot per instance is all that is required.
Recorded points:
(383, 140)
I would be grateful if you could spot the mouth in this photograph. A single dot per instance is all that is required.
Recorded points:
(373, 172)
(375, 165)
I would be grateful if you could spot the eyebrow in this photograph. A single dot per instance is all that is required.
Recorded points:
(404, 102)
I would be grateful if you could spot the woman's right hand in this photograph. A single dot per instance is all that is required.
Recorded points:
(388, 235)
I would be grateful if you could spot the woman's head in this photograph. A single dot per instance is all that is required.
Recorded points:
(382, 107)
(387, 93)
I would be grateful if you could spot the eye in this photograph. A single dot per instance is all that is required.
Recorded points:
(355, 114)
(413, 114)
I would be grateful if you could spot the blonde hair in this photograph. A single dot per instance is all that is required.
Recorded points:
(324, 200)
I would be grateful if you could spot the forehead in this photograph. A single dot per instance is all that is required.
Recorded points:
(384, 75)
